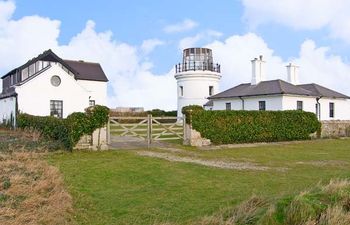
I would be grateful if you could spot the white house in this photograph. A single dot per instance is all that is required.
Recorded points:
(197, 78)
(263, 94)
(48, 85)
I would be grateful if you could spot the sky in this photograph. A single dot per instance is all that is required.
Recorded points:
(138, 43)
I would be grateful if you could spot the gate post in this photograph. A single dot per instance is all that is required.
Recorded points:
(109, 131)
(149, 130)
(184, 127)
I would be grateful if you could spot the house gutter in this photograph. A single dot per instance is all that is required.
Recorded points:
(318, 107)
(240, 97)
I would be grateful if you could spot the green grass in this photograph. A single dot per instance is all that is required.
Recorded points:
(120, 187)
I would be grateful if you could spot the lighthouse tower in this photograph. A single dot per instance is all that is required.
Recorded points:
(197, 78)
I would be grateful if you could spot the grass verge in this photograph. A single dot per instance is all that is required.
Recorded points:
(121, 187)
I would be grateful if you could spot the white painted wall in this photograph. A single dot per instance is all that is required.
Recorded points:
(220, 104)
(97, 90)
(250, 103)
(35, 95)
(288, 102)
(341, 109)
(7, 107)
(195, 87)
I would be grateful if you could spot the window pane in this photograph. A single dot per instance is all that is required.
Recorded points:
(262, 105)
(299, 105)
(91, 102)
(331, 109)
(38, 66)
(56, 108)
(25, 73)
(228, 106)
(211, 90)
(31, 69)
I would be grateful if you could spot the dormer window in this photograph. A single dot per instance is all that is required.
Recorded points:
(25, 73)
(31, 69)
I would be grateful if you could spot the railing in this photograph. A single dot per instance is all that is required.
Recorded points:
(193, 66)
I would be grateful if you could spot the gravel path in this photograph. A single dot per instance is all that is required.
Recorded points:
(210, 163)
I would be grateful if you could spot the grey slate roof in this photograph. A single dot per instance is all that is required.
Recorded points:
(209, 103)
(87, 70)
(271, 87)
(81, 70)
(320, 91)
(8, 93)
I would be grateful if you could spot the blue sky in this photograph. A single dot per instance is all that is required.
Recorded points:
(138, 42)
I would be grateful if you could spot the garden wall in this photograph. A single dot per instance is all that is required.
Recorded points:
(94, 142)
(335, 128)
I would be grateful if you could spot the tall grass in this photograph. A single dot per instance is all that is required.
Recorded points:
(323, 205)
(32, 192)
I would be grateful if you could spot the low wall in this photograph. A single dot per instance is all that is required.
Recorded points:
(335, 128)
(96, 141)
(194, 138)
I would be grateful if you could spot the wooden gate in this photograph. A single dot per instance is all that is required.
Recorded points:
(146, 128)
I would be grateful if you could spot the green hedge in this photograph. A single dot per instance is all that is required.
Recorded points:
(66, 131)
(225, 127)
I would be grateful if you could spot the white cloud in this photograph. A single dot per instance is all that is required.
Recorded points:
(131, 81)
(185, 25)
(300, 14)
(6, 10)
(235, 55)
(316, 64)
(150, 44)
(192, 41)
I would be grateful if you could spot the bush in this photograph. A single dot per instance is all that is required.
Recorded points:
(66, 131)
(161, 113)
(225, 127)
(188, 111)
(51, 128)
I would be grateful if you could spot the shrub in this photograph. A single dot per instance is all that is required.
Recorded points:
(190, 110)
(66, 131)
(225, 127)
(160, 113)
(77, 125)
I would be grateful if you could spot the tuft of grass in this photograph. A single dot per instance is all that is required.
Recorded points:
(317, 206)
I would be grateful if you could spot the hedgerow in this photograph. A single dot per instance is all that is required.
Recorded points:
(66, 131)
(225, 127)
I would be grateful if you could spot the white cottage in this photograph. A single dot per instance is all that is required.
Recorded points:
(281, 95)
(48, 85)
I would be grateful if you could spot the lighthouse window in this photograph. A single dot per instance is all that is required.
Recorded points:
(211, 90)
(181, 91)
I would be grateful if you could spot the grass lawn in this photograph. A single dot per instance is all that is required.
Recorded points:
(121, 187)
